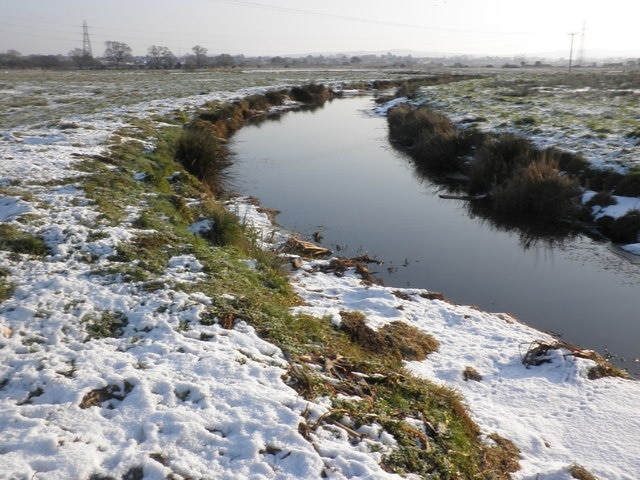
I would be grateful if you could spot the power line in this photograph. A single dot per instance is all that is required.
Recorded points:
(36, 35)
(313, 13)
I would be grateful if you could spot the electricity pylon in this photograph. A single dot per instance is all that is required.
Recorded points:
(86, 42)
(581, 51)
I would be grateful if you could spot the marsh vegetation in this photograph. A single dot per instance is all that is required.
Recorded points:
(157, 190)
(512, 167)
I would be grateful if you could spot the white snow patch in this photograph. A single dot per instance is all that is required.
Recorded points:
(174, 397)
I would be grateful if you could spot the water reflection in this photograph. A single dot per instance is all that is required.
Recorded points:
(532, 232)
(333, 172)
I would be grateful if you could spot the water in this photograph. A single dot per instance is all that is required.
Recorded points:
(333, 171)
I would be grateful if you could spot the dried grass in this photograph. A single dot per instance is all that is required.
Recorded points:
(538, 351)
(398, 339)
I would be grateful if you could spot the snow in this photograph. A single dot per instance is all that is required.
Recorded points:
(553, 413)
(622, 206)
(207, 402)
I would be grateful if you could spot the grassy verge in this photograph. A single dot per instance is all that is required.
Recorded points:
(434, 434)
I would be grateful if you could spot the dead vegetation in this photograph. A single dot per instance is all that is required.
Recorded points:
(95, 398)
(539, 352)
(305, 249)
(580, 473)
(470, 373)
(395, 339)
(340, 265)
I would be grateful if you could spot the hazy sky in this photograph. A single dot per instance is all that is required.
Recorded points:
(283, 27)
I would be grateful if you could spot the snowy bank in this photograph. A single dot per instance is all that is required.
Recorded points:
(165, 401)
(158, 400)
(553, 413)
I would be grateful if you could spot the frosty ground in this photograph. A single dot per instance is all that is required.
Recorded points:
(208, 402)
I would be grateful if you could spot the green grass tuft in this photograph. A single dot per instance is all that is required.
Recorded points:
(200, 151)
(19, 242)
(106, 325)
(6, 287)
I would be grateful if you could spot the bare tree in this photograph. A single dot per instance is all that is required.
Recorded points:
(201, 56)
(224, 60)
(160, 57)
(11, 58)
(81, 58)
(117, 52)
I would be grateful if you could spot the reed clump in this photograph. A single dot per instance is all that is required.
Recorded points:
(629, 185)
(496, 160)
(538, 188)
(507, 171)
(625, 229)
(312, 94)
(428, 136)
(202, 153)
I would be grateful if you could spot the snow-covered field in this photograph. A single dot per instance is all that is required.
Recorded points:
(600, 122)
(206, 402)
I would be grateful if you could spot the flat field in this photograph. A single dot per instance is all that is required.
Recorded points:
(594, 112)
(41, 97)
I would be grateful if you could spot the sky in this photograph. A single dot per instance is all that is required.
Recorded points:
(290, 27)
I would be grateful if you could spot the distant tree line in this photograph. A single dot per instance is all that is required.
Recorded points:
(118, 55)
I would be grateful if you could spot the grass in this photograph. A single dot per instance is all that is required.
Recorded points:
(539, 189)
(106, 325)
(601, 199)
(430, 137)
(149, 252)
(201, 152)
(312, 93)
(225, 118)
(629, 185)
(514, 178)
(19, 242)
(470, 373)
(396, 339)
(6, 287)
(580, 473)
(497, 159)
(625, 229)
(434, 433)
